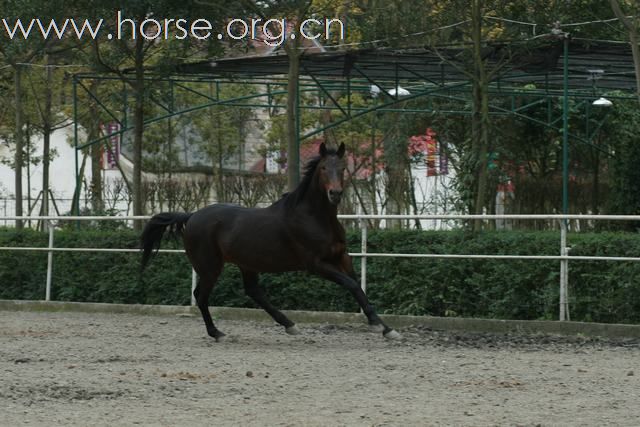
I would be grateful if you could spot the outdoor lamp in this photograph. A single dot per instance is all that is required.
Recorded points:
(375, 91)
(594, 76)
(602, 102)
(400, 91)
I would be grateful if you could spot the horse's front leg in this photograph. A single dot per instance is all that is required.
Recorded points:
(346, 267)
(334, 273)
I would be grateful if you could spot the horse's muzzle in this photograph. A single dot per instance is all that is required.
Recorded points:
(334, 196)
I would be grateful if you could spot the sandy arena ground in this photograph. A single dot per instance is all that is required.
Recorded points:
(121, 369)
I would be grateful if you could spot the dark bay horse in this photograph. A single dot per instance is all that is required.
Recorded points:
(298, 232)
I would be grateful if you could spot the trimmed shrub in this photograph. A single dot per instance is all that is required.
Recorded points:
(603, 291)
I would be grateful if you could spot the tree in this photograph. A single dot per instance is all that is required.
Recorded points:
(17, 52)
(50, 120)
(129, 57)
(622, 129)
(294, 11)
(221, 134)
(631, 25)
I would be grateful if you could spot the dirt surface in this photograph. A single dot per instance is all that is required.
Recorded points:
(121, 369)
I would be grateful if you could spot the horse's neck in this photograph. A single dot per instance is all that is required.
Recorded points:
(316, 203)
(316, 207)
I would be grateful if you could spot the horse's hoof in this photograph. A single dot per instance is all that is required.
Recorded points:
(392, 335)
(376, 328)
(292, 330)
(217, 335)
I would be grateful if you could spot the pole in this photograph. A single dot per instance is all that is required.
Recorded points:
(363, 260)
(49, 262)
(194, 283)
(564, 264)
(75, 142)
(363, 249)
(170, 129)
(567, 314)
(565, 128)
(28, 165)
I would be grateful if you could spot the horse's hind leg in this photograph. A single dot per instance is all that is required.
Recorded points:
(206, 281)
(254, 291)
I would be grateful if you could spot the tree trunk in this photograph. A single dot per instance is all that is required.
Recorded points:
(325, 115)
(481, 142)
(19, 143)
(138, 129)
(480, 116)
(396, 166)
(633, 40)
(97, 204)
(46, 142)
(27, 164)
(293, 112)
(325, 119)
(635, 50)
(221, 193)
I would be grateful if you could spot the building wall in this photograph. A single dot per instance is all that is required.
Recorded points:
(62, 174)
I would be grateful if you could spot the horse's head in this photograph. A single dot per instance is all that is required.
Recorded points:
(330, 171)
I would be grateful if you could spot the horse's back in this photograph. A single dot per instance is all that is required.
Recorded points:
(220, 218)
(254, 238)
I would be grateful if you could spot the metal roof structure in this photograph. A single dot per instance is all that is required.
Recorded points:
(534, 71)
(607, 64)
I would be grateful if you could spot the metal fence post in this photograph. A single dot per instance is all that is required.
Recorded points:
(564, 272)
(567, 312)
(194, 283)
(363, 249)
(49, 262)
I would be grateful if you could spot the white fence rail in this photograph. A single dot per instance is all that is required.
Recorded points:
(563, 256)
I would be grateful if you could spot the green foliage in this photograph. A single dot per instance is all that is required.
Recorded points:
(464, 287)
(624, 123)
(504, 289)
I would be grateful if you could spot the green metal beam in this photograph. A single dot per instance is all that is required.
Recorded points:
(97, 100)
(565, 126)
(351, 85)
(376, 108)
(172, 114)
(327, 93)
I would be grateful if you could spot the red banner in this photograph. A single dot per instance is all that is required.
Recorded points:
(109, 157)
(428, 149)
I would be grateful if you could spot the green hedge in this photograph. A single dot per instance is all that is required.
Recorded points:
(604, 291)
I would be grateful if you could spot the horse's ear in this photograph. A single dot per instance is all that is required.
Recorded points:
(323, 150)
(340, 151)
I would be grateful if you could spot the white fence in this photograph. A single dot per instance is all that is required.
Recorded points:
(563, 255)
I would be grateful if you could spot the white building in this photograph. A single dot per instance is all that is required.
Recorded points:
(61, 173)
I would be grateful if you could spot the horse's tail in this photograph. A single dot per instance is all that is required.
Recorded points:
(155, 228)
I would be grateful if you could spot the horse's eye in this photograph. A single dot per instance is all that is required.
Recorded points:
(324, 168)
